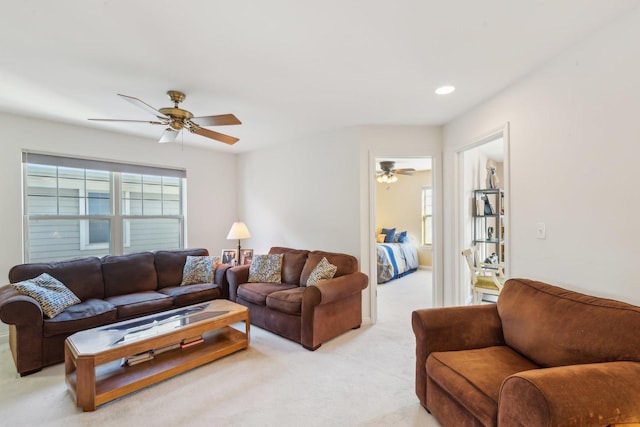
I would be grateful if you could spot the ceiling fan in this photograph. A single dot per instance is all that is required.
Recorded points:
(175, 119)
(388, 173)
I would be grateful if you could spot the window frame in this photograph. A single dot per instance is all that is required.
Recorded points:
(427, 217)
(120, 230)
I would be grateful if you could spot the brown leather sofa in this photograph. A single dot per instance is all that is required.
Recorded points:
(111, 289)
(309, 315)
(541, 356)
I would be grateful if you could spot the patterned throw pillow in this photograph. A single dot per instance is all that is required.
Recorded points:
(52, 295)
(323, 271)
(197, 269)
(266, 269)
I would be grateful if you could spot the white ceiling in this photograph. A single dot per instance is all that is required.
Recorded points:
(286, 68)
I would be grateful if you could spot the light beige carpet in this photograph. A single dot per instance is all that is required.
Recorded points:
(362, 378)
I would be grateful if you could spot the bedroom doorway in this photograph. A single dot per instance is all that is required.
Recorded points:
(475, 161)
(404, 226)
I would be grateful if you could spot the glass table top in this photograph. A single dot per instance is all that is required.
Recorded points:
(109, 336)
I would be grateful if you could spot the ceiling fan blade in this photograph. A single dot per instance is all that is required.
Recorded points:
(131, 121)
(214, 135)
(143, 105)
(219, 120)
(407, 171)
(169, 135)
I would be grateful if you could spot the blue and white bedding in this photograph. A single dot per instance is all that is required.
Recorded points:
(396, 260)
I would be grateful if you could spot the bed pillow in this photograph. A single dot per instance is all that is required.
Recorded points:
(266, 269)
(323, 271)
(390, 234)
(52, 295)
(401, 237)
(380, 238)
(197, 269)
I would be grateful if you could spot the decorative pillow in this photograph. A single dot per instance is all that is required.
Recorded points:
(380, 238)
(197, 269)
(52, 295)
(266, 269)
(323, 271)
(401, 237)
(390, 234)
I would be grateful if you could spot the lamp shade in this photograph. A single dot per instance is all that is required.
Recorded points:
(238, 231)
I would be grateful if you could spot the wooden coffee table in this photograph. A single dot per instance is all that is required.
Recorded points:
(95, 368)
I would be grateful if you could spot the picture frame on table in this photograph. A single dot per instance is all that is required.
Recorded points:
(246, 255)
(229, 256)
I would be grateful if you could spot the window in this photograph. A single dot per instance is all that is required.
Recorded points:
(427, 216)
(76, 207)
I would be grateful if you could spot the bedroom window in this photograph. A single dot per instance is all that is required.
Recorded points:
(427, 216)
(77, 207)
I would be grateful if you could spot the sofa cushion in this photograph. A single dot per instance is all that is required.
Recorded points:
(197, 269)
(82, 276)
(256, 293)
(293, 261)
(140, 303)
(169, 265)
(475, 376)
(192, 294)
(556, 327)
(346, 264)
(52, 295)
(125, 274)
(86, 315)
(286, 301)
(323, 271)
(266, 269)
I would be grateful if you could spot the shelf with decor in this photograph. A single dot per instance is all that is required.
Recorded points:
(488, 223)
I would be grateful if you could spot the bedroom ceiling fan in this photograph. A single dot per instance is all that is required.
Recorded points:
(387, 175)
(176, 119)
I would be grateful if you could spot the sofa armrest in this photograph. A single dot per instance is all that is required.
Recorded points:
(237, 276)
(20, 310)
(327, 291)
(330, 308)
(449, 329)
(591, 394)
(221, 280)
(25, 317)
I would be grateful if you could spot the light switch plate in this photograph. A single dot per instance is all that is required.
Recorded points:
(541, 231)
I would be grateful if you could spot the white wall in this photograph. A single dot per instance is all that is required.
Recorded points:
(211, 192)
(574, 149)
(302, 194)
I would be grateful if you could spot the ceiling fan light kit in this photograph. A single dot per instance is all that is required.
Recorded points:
(385, 178)
(175, 119)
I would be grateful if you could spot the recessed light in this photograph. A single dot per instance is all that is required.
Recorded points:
(445, 90)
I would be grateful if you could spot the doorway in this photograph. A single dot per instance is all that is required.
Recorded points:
(403, 199)
(482, 165)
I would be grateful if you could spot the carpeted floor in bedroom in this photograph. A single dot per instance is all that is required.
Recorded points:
(362, 378)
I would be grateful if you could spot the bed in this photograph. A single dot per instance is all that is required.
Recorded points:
(396, 260)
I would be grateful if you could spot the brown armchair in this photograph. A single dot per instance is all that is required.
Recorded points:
(541, 356)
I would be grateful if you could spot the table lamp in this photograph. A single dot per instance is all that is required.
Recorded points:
(238, 231)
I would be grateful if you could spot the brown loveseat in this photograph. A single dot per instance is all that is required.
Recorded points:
(111, 289)
(541, 356)
(309, 315)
